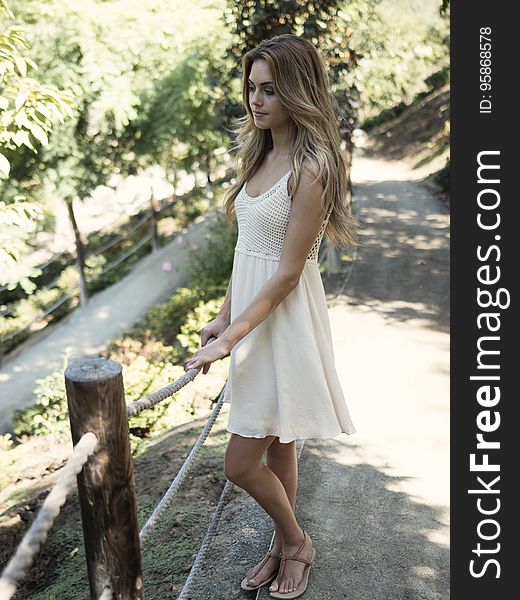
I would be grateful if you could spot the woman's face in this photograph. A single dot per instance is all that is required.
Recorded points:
(267, 111)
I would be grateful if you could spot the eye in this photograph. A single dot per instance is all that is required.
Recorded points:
(269, 92)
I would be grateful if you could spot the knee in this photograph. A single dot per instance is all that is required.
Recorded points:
(237, 472)
(282, 452)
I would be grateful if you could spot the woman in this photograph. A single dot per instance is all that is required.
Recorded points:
(292, 184)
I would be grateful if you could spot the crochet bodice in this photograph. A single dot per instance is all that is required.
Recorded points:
(263, 221)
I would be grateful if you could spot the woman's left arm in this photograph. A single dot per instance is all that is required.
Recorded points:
(304, 226)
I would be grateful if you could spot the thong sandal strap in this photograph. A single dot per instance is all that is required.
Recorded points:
(294, 557)
(303, 560)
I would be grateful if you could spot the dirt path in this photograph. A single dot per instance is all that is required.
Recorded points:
(375, 503)
(86, 331)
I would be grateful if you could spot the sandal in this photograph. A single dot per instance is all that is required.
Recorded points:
(246, 586)
(305, 576)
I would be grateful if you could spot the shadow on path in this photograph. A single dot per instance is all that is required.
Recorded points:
(402, 269)
(373, 542)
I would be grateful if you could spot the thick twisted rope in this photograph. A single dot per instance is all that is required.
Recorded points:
(210, 534)
(37, 533)
(168, 496)
(148, 401)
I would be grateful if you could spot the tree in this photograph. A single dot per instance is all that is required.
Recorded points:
(28, 111)
(327, 24)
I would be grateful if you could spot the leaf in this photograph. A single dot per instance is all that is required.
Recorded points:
(5, 167)
(21, 65)
(39, 134)
(20, 100)
(22, 137)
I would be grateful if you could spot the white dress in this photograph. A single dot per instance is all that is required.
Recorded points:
(282, 378)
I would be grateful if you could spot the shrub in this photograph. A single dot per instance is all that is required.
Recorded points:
(211, 268)
(49, 413)
(165, 320)
(196, 319)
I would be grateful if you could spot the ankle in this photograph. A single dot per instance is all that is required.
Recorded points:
(296, 540)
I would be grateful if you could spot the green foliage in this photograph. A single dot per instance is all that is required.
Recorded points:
(28, 112)
(28, 108)
(196, 319)
(32, 307)
(434, 82)
(152, 353)
(399, 55)
(166, 319)
(18, 222)
(210, 269)
(145, 368)
(49, 414)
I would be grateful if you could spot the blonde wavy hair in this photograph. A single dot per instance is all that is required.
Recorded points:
(302, 86)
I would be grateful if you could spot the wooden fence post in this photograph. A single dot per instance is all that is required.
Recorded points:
(80, 254)
(154, 210)
(106, 484)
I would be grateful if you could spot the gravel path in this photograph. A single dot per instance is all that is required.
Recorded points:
(375, 503)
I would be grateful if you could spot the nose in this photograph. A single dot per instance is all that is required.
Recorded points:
(254, 99)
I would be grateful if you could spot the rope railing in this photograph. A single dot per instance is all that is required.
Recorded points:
(206, 542)
(183, 471)
(46, 313)
(165, 392)
(132, 250)
(120, 237)
(23, 557)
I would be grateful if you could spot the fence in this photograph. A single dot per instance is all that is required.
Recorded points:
(158, 207)
(102, 461)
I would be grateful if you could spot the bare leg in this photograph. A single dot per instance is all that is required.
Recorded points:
(282, 460)
(243, 466)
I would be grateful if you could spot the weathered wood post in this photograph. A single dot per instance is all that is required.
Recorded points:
(80, 254)
(154, 211)
(106, 484)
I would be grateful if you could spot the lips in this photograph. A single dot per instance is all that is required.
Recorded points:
(258, 114)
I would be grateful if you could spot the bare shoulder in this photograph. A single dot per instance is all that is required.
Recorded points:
(309, 177)
(310, 169)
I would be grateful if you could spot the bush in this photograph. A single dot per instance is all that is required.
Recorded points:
(165, 320)
(151, 354)
(49, 413)
(146, 368)
(211, 268)
(201, 315)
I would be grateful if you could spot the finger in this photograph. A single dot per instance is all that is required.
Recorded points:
(203, 339)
